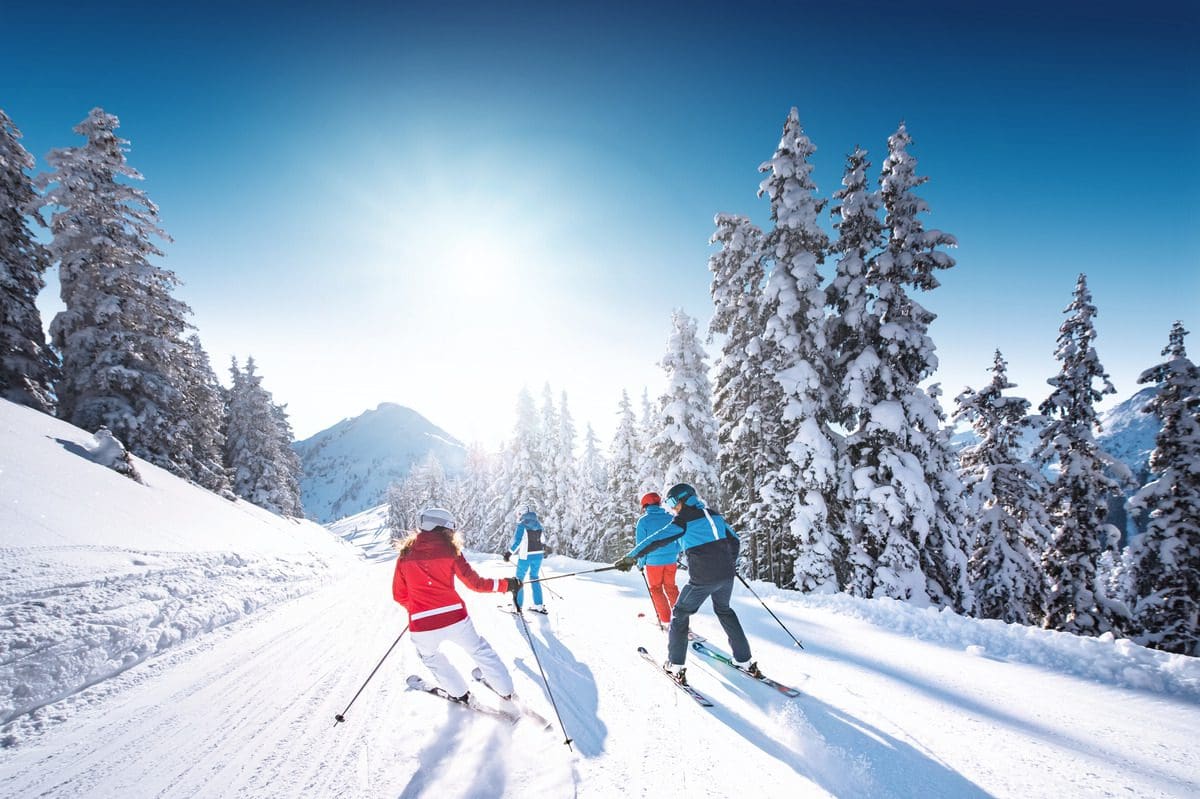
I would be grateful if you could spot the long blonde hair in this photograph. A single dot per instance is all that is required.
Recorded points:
(452, 537)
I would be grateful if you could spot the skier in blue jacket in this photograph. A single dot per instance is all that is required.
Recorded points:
(711, 548)
(527, 545)
(658, 565)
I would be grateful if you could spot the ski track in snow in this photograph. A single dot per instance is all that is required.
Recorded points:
(248, 711)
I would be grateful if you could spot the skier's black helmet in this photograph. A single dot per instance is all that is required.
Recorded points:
(678, 493)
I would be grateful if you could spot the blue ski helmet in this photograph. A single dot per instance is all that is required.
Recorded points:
(678, 493)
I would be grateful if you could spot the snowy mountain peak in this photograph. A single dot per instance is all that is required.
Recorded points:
(1128, 432)
(348, 467)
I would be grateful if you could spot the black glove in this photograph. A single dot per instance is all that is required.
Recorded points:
(512, 584)
(641, 568)
(625, 564)
(507, 555)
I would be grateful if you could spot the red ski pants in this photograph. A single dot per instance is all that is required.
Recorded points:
(662, 589)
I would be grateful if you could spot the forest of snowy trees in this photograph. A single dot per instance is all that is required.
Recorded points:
(815, 430)
(815, 434)
(122, 354)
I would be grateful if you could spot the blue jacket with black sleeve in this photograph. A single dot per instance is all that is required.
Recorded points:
(711, 545)
(527, 538)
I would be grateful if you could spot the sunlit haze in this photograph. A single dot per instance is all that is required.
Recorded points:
(438, 207)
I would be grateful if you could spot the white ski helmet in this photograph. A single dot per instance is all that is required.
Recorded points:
(437, 517)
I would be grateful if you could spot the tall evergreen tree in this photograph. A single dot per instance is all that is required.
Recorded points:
(1166, 559)
(548, 462)
(591, 473)
(906, 511)
(1078, 498)
(290, 459)
(620, 509)
(686, 443)
(1006, 492)
(565, 510)
(263, 467)
(28, 368)
(473, 502)
(519, 482)
(795, 491)
(651, 474)
(204, 418)
(424, 486)
(121, 333)
(737, 278)
(852, 331)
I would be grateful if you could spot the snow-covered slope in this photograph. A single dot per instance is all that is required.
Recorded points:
(348, 467)
(99, 573)
(109, 690)
(897, 702)
(368, 531)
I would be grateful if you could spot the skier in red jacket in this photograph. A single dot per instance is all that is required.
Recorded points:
(424, 584)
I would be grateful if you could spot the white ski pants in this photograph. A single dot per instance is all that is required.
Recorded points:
(462, 633)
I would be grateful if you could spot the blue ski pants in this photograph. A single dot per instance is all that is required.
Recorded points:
(691, 597)
(531, 565)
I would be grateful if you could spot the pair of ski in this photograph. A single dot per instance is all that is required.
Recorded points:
(707, 651)
(417, 684)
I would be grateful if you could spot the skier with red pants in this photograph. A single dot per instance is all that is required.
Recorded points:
(658, 565)
(429, 561)
(711, 547)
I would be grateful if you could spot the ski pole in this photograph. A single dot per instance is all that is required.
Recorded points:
(773, 616)
(572, 574)
(340, 717)
(646, 580)
(538, 661)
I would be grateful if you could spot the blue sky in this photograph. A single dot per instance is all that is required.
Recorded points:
(438, 206)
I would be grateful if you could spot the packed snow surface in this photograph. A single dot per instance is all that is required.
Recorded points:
(896, 701)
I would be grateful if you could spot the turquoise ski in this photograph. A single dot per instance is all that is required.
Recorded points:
(707, 651)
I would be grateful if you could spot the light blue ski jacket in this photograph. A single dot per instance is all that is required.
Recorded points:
(656, 519)
(527, 539)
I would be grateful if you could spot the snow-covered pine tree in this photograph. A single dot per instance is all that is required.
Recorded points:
(620, 510)
(852, 330)
(686, 443)
(258, 453)
(473, 502)
(737, 282)
(1165, 560)
(293, 504)
(28, 368)
(948, 548)
(565, 511)
(121, 333)
(1007, 520)
(1078, 497)
(905, 511)
(651, 475)
(519, 481)
(548, 461)
(423, 487)
(590, 501)
(795, 492)
(205, 420)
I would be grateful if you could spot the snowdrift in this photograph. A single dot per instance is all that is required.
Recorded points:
(99, 572)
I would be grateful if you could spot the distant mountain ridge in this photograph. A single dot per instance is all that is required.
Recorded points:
(348, 467)
(1127, 433)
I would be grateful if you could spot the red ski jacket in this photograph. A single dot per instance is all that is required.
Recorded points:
(424, 583)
